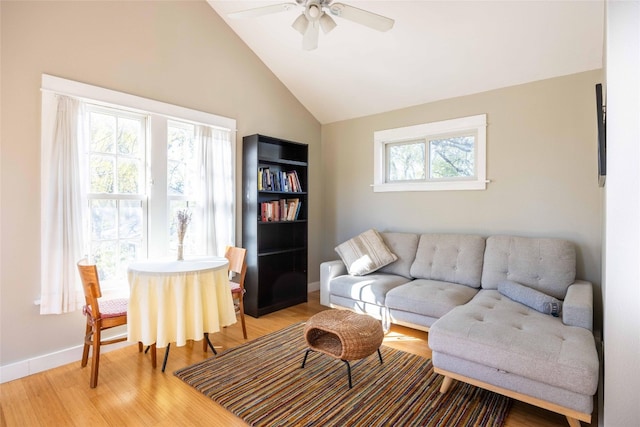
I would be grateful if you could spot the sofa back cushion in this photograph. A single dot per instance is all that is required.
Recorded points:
(453, 258)
(546, 265)
(404, 245)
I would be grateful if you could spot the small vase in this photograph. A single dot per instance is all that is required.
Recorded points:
(180, 256)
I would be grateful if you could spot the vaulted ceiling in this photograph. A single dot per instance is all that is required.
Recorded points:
(435, 50)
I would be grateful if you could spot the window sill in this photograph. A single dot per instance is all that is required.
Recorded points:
(432, 186)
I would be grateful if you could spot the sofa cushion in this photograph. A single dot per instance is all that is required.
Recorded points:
(455, 258)
(530, 297)
(372, 288)
(431, 298)
(404, 245)
(547, 265)
(365, 253)
(494, 331)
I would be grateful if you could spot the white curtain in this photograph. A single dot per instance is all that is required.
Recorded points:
(217, 186)
(62, 204)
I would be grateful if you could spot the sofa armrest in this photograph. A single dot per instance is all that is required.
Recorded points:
(577, 308)
(329, 270)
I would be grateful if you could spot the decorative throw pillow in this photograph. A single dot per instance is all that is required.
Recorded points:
(365, 253)
(530, 297)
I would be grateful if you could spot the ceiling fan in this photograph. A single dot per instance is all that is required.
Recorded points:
(314, 17)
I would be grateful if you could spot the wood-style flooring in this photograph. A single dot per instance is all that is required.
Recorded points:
(131, 393)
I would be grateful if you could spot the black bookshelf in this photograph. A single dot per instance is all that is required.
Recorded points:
(276, 242)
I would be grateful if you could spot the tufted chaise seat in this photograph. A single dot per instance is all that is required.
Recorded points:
(504, 343)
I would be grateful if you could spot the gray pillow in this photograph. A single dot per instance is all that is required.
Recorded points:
(530, 297)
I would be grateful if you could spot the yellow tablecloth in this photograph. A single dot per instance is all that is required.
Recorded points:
(176, 301)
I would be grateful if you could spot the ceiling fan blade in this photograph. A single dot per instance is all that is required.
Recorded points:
(363, 17)
(310, 38)
(261, 11)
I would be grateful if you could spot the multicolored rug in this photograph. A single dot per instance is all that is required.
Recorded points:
(263, 383)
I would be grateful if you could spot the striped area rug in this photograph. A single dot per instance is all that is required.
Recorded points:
(263, 383)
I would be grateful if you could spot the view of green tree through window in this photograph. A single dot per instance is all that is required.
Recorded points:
(452, 157)
(117, 193)
(449, 157)
(407, 161)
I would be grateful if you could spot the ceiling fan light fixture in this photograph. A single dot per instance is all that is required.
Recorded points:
(314, 11)
(327, 23)
(300, 24)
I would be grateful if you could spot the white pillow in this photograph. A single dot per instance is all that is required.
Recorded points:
(365, 253)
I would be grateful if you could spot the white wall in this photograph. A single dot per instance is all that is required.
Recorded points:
(179, 52)
(622, 225)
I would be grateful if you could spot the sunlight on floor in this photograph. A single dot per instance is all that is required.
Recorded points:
(394, 336)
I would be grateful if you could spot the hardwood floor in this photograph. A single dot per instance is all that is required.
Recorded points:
(131, 393)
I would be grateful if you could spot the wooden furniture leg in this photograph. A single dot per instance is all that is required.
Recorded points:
(446, 384)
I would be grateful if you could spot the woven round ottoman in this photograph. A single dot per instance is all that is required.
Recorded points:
(344, 335)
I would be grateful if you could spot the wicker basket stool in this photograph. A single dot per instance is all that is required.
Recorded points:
(344, 335)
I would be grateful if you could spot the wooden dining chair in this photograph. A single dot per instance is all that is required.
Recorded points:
(237, 269)
(101, 315)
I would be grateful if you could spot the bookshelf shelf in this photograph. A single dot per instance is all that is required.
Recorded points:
(274, 187)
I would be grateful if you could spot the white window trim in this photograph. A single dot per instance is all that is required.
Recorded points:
(117, 99)
(476, 124)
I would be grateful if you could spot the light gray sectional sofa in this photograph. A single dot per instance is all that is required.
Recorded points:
(484, 301)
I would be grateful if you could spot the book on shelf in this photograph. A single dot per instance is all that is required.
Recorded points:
(286, 182)
(280, 210)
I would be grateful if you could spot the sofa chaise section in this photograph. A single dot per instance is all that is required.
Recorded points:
(510, 348)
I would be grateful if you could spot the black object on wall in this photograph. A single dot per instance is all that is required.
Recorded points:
(602, 135)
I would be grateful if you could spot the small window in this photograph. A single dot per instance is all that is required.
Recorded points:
(446, 155)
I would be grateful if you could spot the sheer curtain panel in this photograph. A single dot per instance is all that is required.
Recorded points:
(217, 188)
(62, 203)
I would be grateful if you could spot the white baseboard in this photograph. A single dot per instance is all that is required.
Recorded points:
(37, 364)
(313, 286)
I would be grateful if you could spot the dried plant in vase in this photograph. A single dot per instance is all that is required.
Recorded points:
(183, 218)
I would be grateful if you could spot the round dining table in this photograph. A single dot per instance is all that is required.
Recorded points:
(176, 301)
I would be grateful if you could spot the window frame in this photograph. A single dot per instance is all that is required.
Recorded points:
(464, 126)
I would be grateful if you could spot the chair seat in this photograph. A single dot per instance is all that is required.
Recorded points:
(109, 308)
(236, 289)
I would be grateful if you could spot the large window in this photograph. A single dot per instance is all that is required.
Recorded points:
(446, 155)
(138, 162)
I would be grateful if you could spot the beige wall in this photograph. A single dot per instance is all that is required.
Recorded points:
(176, 52)
(541, 160)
